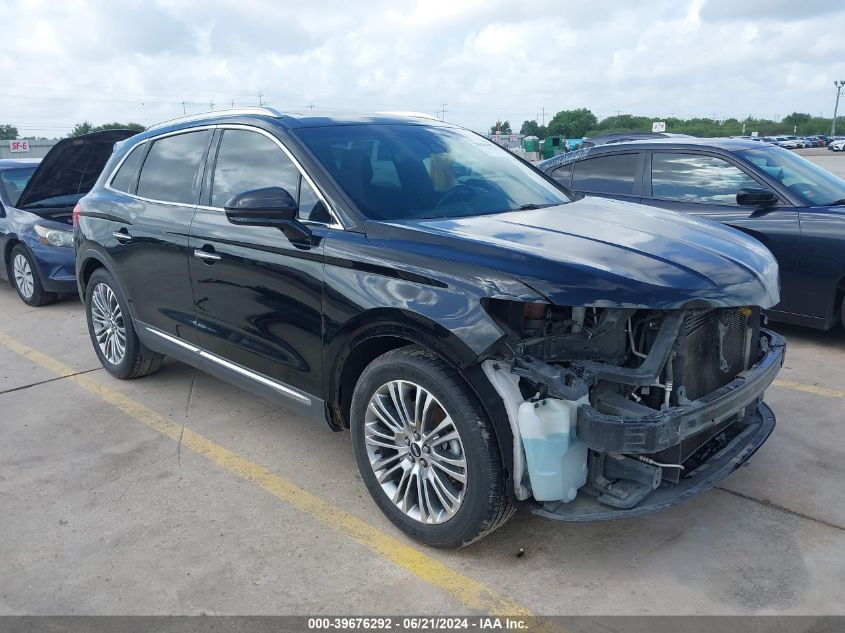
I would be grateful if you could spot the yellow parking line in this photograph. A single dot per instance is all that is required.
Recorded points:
(814, 389)
(471, 593)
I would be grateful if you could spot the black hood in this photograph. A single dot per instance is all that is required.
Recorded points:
(71, 167)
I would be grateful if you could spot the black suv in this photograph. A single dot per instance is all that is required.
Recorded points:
(488, 340)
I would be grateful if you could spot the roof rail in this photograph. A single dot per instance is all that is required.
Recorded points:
(265, 110)
(419, 115)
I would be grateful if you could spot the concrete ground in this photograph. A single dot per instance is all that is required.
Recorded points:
(179, 494)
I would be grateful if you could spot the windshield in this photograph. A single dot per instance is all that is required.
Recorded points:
(13, 182)
(398, 172)
(814, 184)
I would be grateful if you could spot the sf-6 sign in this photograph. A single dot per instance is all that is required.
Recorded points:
(18, 146)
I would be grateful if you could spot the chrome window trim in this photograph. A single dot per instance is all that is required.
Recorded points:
(335, 224)
(243, 371)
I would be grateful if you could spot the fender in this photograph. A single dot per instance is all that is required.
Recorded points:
(84, 255)
(416, 329)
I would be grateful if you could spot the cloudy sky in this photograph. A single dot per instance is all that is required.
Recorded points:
(73, 60)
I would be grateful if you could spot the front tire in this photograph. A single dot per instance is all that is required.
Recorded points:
(426, 450)
(24, 275)
(112, 331)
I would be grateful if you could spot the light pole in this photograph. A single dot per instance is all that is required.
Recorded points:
(838, 85)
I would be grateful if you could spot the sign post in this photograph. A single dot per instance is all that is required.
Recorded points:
(658, 126)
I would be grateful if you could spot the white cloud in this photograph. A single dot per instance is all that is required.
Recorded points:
(133, 60)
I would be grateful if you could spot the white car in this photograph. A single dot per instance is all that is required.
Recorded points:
(837, 146)
(788, 143)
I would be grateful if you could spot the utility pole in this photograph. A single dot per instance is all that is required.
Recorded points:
(211, 104)
(260, 98)
(543, 110)
(184, 111)
(310, 106)
(838, 85)
(443, 110)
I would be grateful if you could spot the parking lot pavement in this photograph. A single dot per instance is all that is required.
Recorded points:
(101, 514)
(107, 505)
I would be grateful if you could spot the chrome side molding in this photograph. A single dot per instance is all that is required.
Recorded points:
(282, 388)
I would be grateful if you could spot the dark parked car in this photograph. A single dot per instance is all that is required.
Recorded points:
(488, 340)
(36, 202)
(794, 207)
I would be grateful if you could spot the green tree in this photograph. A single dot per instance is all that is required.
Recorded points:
(137, 127)
(625, 123)
(572, 123)
(796, 120)
(501, 127)
(532, 128)
(86, 127)
(8, 132)
(81, 128)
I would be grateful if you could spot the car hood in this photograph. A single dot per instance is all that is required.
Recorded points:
(71, 167)
(601, 252)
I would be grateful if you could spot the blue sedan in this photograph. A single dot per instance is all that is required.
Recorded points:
(36, 208)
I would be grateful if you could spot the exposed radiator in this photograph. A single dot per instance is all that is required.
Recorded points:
(711, 358)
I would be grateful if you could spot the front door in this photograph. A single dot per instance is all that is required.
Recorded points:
(258, 294)
(706, 186)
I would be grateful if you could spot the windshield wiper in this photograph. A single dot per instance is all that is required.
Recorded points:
(531, 206)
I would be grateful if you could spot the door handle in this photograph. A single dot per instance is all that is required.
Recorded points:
(206, 256)
(121, 236)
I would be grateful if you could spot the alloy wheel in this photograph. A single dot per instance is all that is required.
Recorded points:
(109, 328)
(416, 452)
(23, 276)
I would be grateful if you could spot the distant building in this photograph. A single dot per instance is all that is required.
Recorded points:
(20, 148)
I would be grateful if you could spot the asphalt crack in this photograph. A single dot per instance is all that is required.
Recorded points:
(49, 380)
(770, 504)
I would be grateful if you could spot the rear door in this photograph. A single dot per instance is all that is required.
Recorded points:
(149, 245)
(705, 184)
(259, 294)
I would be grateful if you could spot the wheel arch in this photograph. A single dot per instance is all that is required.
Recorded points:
(367, 343)
(8, 246)
(88, 260)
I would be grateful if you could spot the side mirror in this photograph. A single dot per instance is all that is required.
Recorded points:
(756, 197)
(269, 206)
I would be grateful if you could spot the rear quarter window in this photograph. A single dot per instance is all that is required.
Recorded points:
(127, 176)
(606, 174)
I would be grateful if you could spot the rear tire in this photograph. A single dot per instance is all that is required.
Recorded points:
(112, 331)
(24, 275)
(430, 424)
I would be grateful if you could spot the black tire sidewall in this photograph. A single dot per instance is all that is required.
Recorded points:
(125, 367)
(39, 296)
(471, 519)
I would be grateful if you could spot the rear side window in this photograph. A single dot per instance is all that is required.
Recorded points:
(696, 178)
(171, 170)
(606, 174)
(249, 160)
(563, 174)
(127, 175)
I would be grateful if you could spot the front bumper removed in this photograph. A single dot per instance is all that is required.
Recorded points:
(662, 429)
(625, 438)
(759, 425)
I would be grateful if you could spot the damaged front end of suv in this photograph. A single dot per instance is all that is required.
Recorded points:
(625, 411)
